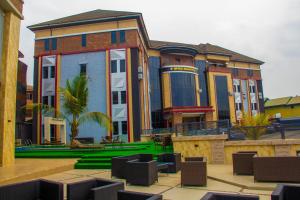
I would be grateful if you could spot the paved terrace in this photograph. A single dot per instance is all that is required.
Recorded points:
(220, 179)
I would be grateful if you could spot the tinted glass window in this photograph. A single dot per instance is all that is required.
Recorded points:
(83, 40)
(115, 97)
(183, 89)
(124, 127)
(83, 69)
(122, 66)
(201, 64)
(113, 37)
(235, 71)
(47, 44)
(116, 128)
(45, 100)
(113, 66)
(222, 97)
(250, 72)
(54, 43)
(123, 97)
(122, 36)
(52, 73)
(45, 72)
(52, 101)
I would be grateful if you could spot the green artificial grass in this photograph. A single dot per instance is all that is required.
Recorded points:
(92, 158)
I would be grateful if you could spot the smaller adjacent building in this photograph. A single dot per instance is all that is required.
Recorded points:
(285, 107)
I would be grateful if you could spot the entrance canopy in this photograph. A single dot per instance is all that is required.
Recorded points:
(60, 134)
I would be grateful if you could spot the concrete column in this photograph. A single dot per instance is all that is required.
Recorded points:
(8, 82)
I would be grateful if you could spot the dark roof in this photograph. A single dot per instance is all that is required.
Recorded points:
(84, 17)
(207, 49)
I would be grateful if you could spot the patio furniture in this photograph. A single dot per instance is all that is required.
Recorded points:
(226, 196)
(162, 167)
(286, 192)
(194, 171)
(173, 160)
(125, 195)
(140, 172)
(118, 163)
(85, 140)
(32, 190)
(242, 162)
(94, 189)
(277, 169)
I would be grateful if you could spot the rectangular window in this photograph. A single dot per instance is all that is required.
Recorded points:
(52, 73)
(45, 100)
(254, 106)
(124, 127)
(47, 44)
(122, 66)
(45, 72)
(122, 36)
(54, 43)
(116, 128)
(52, 98)
(82, 69)
(235, 71)
(250, 72)
(252, 89)
(113, 37)
(113, 66)
(115, 97)
(123, 97)
(83, 40)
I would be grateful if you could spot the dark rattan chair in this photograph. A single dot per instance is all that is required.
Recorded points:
(32, 190)
(223, 196)
(242, 162)
(125, 195)
(277, 169)
(141, 172)
(172, 159)
(94, 189)
(286, 192)
(194, 171)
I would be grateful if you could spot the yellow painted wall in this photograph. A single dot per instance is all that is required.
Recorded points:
(153, 53)
(197, 89)
(129, 90)
(166, 90)
(212, 94)
(286, 111)
(108, 97)
(8, 80)
(86, 28)
(217, 57)
(243, 65)
(58, 70)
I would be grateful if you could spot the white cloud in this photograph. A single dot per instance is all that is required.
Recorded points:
(268, 30)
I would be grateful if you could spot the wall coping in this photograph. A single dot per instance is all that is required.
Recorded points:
(199, 138)
(262, 142)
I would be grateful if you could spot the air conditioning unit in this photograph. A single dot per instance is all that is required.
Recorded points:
(140, 73)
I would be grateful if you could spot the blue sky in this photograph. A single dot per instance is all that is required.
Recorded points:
(267, 30)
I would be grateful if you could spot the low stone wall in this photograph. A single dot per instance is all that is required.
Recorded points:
(218, 150)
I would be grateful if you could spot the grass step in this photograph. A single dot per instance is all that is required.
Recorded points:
(92, 166)
(91, 160)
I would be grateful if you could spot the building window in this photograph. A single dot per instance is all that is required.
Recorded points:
(52, 99)
(45, 72)
(115, 97)
(250, 72)
(122, 36)
(52, 72)
(113, 66)
(45, 100)
(82, 69)
(235, 71)
(122, 66)
(252, 89)
(83, 40)
(47, 44)
(116, 128)
(123, 97)
(113, 37)
(238, 106)
(29, 96)
(54, 43)
(124, 127)
(253, 106)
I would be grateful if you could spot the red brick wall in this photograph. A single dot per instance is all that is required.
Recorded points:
(96, 41)
(243, 74)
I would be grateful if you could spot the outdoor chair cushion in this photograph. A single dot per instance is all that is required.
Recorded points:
(286, 192)
(226, 196)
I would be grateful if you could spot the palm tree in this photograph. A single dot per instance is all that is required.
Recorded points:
(74, 102)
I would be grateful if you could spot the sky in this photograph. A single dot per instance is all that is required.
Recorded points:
(268, 30)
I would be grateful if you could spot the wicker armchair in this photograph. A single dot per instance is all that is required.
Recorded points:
(32, 190)
(125, 195)
(172, 159)
(242, 162)
(141, 173)
(277, 169)
(94, 189)
(194, 171)
(223, 196)
(286, 192)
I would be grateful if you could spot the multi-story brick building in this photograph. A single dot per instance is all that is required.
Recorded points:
(138, 82)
